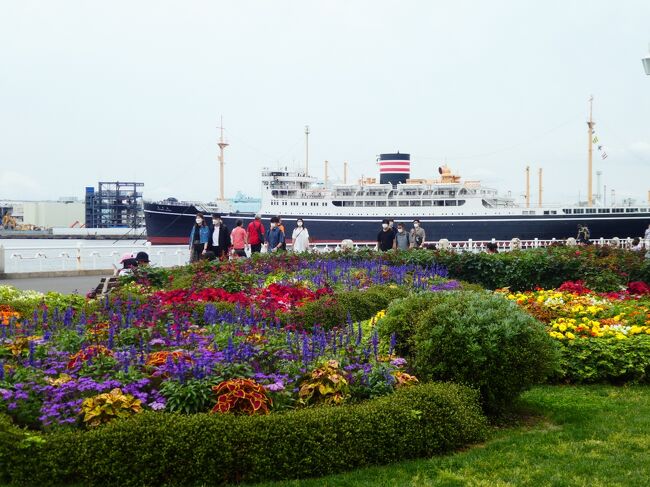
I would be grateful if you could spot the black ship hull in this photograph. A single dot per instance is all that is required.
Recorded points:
(171, 224)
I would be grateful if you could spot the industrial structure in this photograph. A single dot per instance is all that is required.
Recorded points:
(114, 204)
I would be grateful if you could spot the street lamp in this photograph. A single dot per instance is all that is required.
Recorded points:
(646, 64)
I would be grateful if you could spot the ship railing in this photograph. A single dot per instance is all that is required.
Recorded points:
(81, 257)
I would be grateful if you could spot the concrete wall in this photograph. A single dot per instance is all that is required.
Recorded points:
(48, 214)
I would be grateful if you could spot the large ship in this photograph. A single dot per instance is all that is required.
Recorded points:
(447, 207)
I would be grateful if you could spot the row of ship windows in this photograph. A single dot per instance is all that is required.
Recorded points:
(579, 211)
(401, 203)
(296, 203)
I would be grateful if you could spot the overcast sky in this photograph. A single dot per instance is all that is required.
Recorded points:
(134, 90)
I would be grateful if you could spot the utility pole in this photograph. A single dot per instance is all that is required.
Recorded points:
(540, 187)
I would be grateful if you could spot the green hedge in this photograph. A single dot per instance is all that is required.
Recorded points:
(474, 338)
(161, 448)
(334, 310)
(605, 360)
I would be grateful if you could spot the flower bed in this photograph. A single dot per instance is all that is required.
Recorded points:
(165, 348)
(603, 337)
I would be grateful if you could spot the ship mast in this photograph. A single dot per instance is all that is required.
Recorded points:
(306, 150)
(590, 125)
(222, 145)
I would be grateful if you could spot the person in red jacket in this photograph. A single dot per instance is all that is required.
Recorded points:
(256, 234)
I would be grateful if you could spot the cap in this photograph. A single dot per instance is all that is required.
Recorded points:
(142, 257)
(258, 216)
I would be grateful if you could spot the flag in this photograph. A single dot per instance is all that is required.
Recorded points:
(604, 156)
(595, 139)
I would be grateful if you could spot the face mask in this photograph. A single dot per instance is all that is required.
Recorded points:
(299, 224)
(199, 221)
(384, 225)
(400, 230)
(272, 225)
(217, 222)
(416, 225)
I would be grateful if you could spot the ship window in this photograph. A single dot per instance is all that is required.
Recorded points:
(451, 203)
(546, 212)
(461, 202)
(304, 203)
(381, 203)
(323, 204)
(631, 210)
(617, 210)
(415, 203)
(337, 203)
(426, 203)
(403, 203)
(439, 203)
(578, 210)
(392, 203)
(590, 210)
(358, 203)
(566, 210)
(603, 210)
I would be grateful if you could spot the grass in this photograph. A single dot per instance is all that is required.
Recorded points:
(577, 436)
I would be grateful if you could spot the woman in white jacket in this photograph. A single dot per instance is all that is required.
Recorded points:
(300, 237)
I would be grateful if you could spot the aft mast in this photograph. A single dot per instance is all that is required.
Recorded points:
(590, 125)
(222, 145)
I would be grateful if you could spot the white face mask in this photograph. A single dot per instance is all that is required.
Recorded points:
(384, 226)
(272, 225)
(416, 225)
(299, 224)
(400, 230)
(199, 220)
(217, 222)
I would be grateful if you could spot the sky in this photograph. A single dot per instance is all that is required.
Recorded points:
(135, 90)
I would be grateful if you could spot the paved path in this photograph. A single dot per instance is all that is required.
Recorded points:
(65, 285)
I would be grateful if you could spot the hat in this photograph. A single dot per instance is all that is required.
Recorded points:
(258, 216)
(216, 215)
(128, 255)
(142, 257)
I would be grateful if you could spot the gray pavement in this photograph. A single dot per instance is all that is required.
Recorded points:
(66, 285)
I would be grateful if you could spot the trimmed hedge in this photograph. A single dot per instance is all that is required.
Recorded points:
(605, 360)
(474, 338)
(160, 448)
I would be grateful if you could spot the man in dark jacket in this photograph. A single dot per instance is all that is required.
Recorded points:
(220, 237)
(386, 237)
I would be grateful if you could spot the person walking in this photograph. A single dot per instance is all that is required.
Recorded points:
(256, 233)
(386, 237)
(220, 237)
(402, 238)
(284, 233)
(239, 239)
(300, 237)
(418, 235)
(199, 238)
(275, 236)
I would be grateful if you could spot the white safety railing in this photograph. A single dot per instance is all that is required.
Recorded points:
(83, 256)
(15, 259)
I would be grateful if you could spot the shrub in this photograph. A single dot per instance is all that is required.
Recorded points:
(474, 338)
(157, 449)
(613, 360)
(105, 407)
(334, 310)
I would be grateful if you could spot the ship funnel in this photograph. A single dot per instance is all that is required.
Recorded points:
(394, 168)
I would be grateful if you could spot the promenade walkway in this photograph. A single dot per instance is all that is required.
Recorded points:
(66, 285)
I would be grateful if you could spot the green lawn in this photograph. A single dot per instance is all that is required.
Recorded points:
(591, 436)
